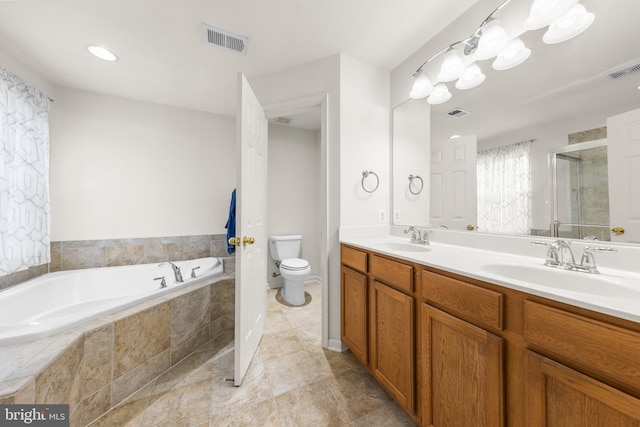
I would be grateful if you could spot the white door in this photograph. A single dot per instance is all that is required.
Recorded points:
(251, 256)
(453, 183)
(623, 151)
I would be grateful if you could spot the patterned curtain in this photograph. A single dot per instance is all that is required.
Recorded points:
(24, 175)
(504, 189)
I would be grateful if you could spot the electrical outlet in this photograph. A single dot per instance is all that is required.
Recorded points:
(396, 216)
(382, 215)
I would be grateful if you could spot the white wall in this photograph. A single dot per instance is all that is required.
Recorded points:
(293, 203)
(123, 169)
(364, 143)
(357, 139)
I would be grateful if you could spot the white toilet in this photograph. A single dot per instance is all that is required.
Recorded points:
(285, 251)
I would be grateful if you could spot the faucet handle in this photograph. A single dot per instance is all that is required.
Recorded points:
(588, 261)
(553, 252)
(193, 272)
(163, 283)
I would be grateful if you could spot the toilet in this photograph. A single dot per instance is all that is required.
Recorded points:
(285, 251)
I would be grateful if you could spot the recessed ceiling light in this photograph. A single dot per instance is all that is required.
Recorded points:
(454, 136)
(102, 53)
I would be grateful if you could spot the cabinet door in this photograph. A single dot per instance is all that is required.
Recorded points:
(558, 396)
(392, 320)
(354, 306)
(462, 373)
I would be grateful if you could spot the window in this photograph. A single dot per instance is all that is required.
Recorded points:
(504, 189)
(24, 175)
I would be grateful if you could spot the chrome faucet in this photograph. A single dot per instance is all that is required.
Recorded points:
(417, 236)
(559, 255)
(176, 270)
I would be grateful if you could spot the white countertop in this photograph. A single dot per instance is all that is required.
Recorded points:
(614, 292)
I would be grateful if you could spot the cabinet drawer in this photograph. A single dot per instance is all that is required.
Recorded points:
(594, 347)
(476, 303)
(392, 273)
(354, 258)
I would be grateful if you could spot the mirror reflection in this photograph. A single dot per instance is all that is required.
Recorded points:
(563, 95)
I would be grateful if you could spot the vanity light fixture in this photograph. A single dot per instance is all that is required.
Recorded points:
(574, 22)
(565, 19)
(102, 53)
(440, 94)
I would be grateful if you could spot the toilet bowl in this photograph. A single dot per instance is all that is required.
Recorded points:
(294, 271)
(285, 251)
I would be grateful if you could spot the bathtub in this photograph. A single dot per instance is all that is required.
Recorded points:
(58, 301)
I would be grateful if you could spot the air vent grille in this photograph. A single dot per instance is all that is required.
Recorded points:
(283, 120)
(225, 39)
(616, 74)
(457, 112)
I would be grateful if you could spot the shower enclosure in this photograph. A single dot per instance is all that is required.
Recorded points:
(580, 191)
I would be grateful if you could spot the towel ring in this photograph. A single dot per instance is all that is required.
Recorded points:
(411, 179)
(365, 174)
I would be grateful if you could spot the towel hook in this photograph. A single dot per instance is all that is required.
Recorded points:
(365, 174)
(411, 179)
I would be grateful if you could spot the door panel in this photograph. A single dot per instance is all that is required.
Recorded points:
(251, 257)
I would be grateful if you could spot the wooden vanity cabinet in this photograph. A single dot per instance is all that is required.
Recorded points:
(458, 352)
(354, 303)
(462, 364)
(378, 320)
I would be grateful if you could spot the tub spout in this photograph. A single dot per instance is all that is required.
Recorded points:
(176, 270)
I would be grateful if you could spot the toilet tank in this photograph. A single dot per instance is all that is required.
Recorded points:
(285, 247)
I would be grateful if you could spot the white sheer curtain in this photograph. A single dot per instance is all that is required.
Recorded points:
(24, 175)
(504, 189)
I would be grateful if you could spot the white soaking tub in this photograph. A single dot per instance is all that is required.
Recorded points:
(58, 301)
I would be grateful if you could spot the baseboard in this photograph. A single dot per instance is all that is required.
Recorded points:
(337, 346)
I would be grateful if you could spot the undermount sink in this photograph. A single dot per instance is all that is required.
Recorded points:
(404, 247)
(571, 281)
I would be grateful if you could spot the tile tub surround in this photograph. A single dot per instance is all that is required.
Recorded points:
(79, 254)
(98, 365)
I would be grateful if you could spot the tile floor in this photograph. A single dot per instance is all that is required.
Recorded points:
(292, 381)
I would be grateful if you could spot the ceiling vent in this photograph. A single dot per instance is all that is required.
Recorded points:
(282, 120)
(225, 39)
(457, 112)
(616, 74)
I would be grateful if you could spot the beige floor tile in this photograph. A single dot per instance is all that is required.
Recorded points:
(359, 395)
(181, 406)
(295, 370)
(276, 322)
(261, 414)
(310, 336)
(280, 344)
(312, 405)
(386, 415)
(255, 388)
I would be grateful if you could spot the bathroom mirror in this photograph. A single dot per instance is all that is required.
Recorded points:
(562, 90)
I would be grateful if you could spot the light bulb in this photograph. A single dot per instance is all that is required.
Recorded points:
(439, 95)
(422, 86)
(569, 25)
(492, 40)
(544, 12)
(472, 77)
(452, 66)
(513, 55)
(102, 53)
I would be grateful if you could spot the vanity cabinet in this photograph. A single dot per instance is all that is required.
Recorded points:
(462, 363)
(457, 352)
(378, 319)
(354, 303)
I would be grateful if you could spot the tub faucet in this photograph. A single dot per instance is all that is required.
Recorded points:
(176, 270)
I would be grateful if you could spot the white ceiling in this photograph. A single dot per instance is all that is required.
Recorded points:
(164, 59)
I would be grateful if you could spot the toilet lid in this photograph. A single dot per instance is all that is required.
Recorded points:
(294, 264)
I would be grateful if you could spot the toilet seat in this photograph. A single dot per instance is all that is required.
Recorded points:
(294, 264)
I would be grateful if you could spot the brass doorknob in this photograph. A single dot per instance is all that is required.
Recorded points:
(234, 241)
(248, 241)
(470, 227)
(619, 231)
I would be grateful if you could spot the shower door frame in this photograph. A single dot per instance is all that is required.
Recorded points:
(554, 224)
